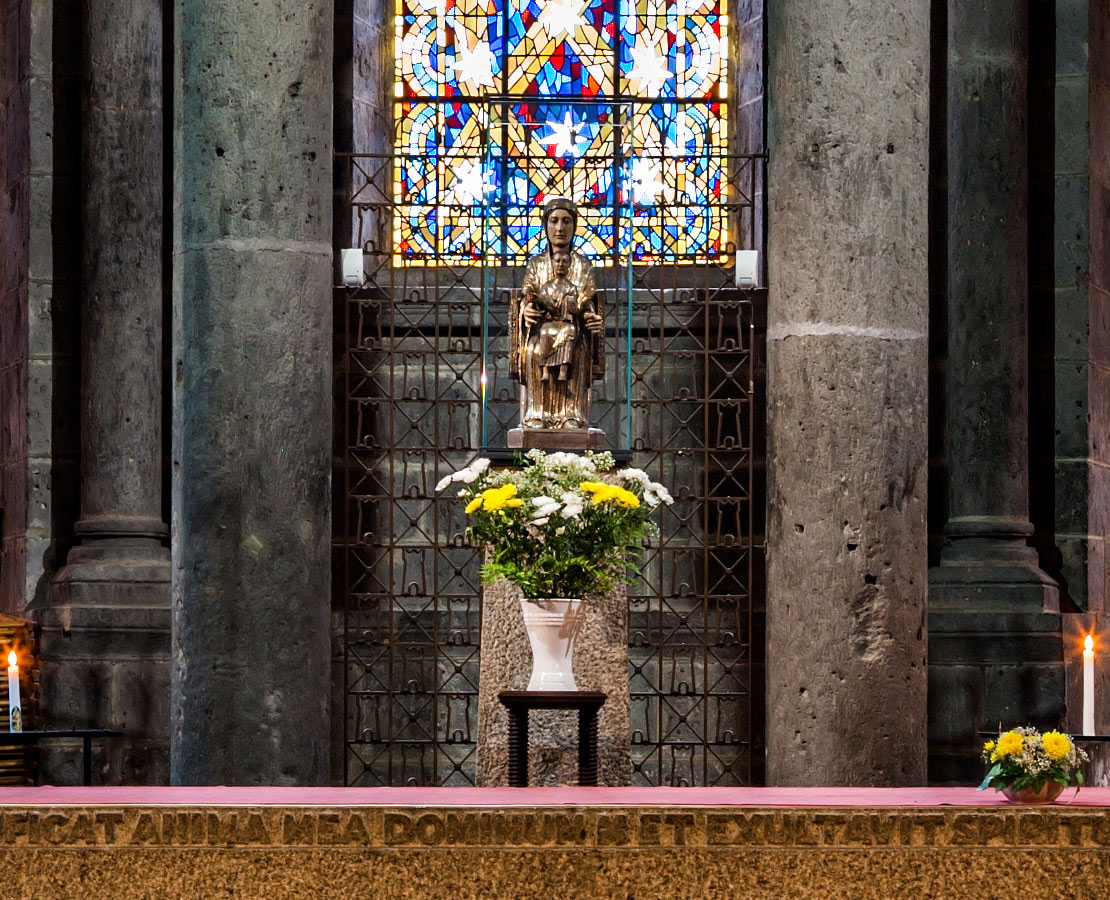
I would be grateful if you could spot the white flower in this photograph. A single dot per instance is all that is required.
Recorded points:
(662, 493)
(560, 531)
(562, 459)
(546, 506)
(543, 520)
(467, 475)
(638, 475)
(573, 504)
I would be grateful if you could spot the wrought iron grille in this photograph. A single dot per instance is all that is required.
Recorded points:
(412, 342)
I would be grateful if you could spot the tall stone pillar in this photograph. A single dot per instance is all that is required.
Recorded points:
(252, 391)
(996, 645)
(988, 562)
(105, 647)
(847, 370)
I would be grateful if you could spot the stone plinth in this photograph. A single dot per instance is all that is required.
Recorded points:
(600, 664)
(555, 439)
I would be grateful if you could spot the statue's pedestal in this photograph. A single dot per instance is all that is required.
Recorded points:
(556, 439)
(600, 664)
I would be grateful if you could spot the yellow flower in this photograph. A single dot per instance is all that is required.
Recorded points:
(1056, 745)
(989, 745)
(495, 498)
(625, 498)
(603, 493)
(1010, 744)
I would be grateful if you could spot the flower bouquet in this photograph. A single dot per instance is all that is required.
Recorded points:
(562, 528)
(1030, 767)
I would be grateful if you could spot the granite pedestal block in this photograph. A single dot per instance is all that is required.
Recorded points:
(600, 664)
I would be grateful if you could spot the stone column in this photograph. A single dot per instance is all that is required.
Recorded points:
(108, 625)
(996, 645)
(988, 563)
(847, 370)
(252, 391)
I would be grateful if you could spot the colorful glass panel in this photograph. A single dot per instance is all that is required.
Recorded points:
(618, 104)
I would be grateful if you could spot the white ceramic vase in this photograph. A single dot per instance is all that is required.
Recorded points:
(552, 625)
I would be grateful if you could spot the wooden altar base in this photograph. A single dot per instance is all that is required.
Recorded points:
(453, 843)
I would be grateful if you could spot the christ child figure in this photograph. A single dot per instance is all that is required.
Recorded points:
(561, 307)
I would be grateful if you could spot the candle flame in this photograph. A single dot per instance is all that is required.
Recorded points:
(1089, 643)
(11, 659)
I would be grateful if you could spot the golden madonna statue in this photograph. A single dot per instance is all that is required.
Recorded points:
(556, 337)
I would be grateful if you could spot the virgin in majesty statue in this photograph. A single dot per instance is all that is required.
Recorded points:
(557, 329)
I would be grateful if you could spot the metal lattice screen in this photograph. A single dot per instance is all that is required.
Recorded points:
(410, 363)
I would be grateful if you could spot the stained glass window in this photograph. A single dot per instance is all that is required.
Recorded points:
(618, 104)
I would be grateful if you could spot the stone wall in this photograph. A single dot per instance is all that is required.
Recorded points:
(1065, 414)
(15, 34)
(746, 54)
(39, 269)
(1098, 565)
(364, 70)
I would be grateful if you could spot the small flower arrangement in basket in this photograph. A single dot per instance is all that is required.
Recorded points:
(1030, 767)
(563, 528)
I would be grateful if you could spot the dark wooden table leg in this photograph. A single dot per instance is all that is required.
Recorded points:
(587, 747)
(86, 762)
(518, 747)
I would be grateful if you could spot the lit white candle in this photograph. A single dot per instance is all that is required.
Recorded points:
(15, 710)
(1088, 685)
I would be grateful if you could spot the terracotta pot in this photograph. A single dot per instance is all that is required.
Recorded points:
(552, 625)
(1049, 792)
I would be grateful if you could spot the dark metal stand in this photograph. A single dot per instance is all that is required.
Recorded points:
(519, 703)
(9, 738)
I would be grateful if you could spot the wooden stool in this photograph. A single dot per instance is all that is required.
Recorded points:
(518, 703)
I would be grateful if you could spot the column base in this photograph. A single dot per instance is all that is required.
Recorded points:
(114, 572)
(996, 653)
(989, 669)
(104, 657)
(989, 565)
